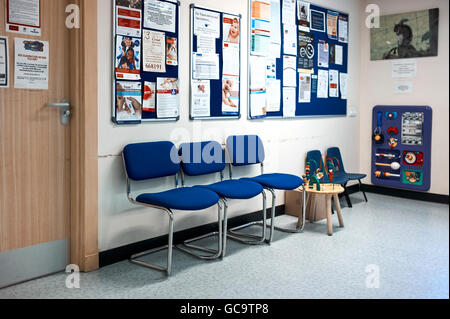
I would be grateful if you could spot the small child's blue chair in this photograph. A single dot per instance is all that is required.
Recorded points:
(200, 159)
(334, 154)
(249, 150)
(148, 161)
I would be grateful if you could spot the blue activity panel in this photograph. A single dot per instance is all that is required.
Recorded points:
(401, 147)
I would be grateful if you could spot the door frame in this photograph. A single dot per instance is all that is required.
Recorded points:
(84, 139)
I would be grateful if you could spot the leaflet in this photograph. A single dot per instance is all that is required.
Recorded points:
(306, 52)
(206, 44)
(128, 101)
(322, 84)
(129, 18)
(231, 31)
(149, 98)
(154, 51)
(289, 105)
(205, 66)
(289, 71)
(324, 55)
(343, 87)
(332, 25)
(273, 100)
(258, 103)
(172, 51)
(334, 83)
(339, 51)
(206, 23)
(289, 10)
(128, 58)
(201, 98)
(31, 64)
(160, 15)
(230, 59)
(343, 29)
(304, 88)
(167, 98)
(230, 94)
(290, 39)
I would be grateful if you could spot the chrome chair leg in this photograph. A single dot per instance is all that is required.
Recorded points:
(215, 253)
(169, 247)
(256, 240)
(225, 227)
(297, 230)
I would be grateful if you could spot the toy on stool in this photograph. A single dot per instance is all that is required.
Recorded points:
(312, 179)
(331, 169)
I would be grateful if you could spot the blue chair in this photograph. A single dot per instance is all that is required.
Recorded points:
(315, 160)
(334, 154)
(199, 159)
(148, 161)
(248, 150)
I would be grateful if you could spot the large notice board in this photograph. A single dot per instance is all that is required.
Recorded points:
(317, 38)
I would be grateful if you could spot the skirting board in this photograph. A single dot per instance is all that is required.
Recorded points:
(402, 193)
(116, 255)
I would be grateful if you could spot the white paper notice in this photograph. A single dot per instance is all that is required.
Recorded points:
(324, 54)
(258, 73)
(159, 15)
(23, 16)
(403, 87)
(289, 102)
(206, 23)
(167, 98)
(273, 100)
(304, 95)
(231, 65)
(343, 29)
(289, 71)
(339, 54)
(31, 62)
(4, 62)
(334, 83)
(206, 45)
(404, 69)
(258, 103)
(201, 97)
(290, 39)
(322, 84)
(289, 10)
(343, 85)
(154, 51)
(149, 99)
(275, 23)
(205, 66)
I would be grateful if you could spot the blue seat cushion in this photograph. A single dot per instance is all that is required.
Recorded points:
(235, 189)
(277, 181)
(356, 177)
(186, 198)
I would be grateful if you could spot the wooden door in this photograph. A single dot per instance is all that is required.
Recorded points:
(35, 160)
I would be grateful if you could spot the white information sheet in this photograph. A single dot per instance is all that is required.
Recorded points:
(230, 59)
(289, 100)
(324, 54)
(154, 51)
(167, 98)
(206, 44)
(289, 71)
(31, 63)
(290, 39)
(206, 23)
(343, 79)
(273, 100)
(289, 10)
(304, 95)
(404, 68)
(4, 62)
(160, 15)
(339, 54)
(334, 83)
(205, 66)
(257, 73)
(201, 98)
(258, 103)
(23, 16)
(343, 29)
(322, 84)
(275, 23)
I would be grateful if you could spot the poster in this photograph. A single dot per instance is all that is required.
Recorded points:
(261, 10)
(322, 84)
(206, 45)
(317, 20)
(275, 29)
(343, 29)
(23, 16)
(306, 52)
(205, 66)
(334, 83)
(289, 102)
(4, 62)
(339, 51)
(290, 39)
(172, 51)
(289, 71)
(149, 98)
(304, 16)
(231, 31)
(160, 15)
(154, 51)
(289, 10)
(304, 95)
(129, 17)
(332, 25)
(201, 98)
(167, 98)
(128, 101)
(258, 103)
(230, 94)
(230, 61)
(258, 73)
(324, 55)
(128, 55)
(261, 28)
(206, 23)
(31, 63)
(260, 44)
(273, 98)
(343, 85)
(332, 52)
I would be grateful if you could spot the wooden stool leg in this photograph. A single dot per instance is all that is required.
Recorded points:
(329, 216)
(338, 209)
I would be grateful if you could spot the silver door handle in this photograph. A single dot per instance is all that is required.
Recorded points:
(64, 105)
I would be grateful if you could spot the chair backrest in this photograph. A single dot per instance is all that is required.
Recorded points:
(151, 160)
(334, 154)
(245, 150)
(316, 162)
(202, 158)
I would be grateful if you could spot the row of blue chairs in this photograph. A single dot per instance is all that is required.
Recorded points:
(147, 161)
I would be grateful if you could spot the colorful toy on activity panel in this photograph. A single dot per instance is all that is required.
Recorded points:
(393, 142)
(413, 158)
(412, 177)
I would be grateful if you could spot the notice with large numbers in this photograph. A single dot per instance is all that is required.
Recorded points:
(129, 18)
(31, 62)
(128, 101)
(154, 51)
(206, 23)
(159, 15)
(23, 16)
(4, 63)
(167, 98)
(306, 52)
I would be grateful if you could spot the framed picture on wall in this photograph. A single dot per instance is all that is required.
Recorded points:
(406, 35)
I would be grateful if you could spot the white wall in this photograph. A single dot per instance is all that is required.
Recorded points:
(286, 141)
(430, 88)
